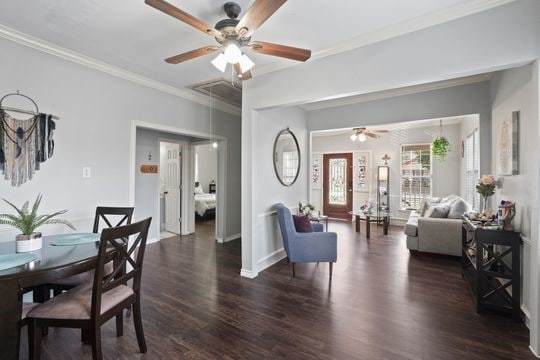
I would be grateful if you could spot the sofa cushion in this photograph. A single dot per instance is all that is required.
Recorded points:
(302, 224)
(458, 208)
(428, 201)
(437, 211)
(449, 199)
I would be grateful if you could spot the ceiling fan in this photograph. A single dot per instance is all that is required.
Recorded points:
(361, 134)
(233, 34)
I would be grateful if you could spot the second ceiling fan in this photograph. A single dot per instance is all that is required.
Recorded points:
(233, 34)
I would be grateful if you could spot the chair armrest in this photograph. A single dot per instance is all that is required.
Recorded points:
(318, 227)
(313, 247)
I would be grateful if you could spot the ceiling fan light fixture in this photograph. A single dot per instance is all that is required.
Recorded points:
(232, 53)
(220, 62)
(353, 137)
(362, 137)
(245, 63)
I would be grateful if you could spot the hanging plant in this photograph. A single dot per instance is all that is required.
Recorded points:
(440, 148)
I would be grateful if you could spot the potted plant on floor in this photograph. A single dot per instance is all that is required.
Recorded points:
(28, 222)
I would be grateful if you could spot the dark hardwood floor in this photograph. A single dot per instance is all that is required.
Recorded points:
(382, 303)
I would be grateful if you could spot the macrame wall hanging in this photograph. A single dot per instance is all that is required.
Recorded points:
(24, 143)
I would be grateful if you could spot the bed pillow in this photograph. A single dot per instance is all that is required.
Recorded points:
(437, 211)
(302, 224)
(199, 190)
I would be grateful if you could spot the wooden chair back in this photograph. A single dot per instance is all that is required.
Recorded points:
(117, 238)
(104, 213)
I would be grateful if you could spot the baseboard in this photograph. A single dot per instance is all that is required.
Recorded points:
(248, 274)
(271, 259)
(233, 237)
(151, 241)
(534, 352)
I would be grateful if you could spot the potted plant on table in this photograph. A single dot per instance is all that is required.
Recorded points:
(28, 222)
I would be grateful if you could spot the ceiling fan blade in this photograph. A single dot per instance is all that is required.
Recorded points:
(257, 14)
(375, 136)
(380, 131)
(183, 16)
(242, 76)
(283, 51)
(192, 54)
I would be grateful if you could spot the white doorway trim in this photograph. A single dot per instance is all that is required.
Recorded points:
(188, 227)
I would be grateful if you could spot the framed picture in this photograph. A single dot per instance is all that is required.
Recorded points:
(508, 156)
(361, 172)
(316, 173)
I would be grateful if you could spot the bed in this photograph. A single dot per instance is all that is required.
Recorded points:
(205, 204)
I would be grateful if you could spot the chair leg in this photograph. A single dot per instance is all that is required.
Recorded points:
(34, 340)
(293, 270)
(137, 320)
(96, 343)
(331, 268)
(120, 324)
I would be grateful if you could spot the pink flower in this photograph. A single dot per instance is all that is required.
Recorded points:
(487, 180)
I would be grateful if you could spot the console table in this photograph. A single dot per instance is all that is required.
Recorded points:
(493, 272)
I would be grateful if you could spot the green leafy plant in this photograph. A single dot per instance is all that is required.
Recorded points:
(28, 221)
(440, 147)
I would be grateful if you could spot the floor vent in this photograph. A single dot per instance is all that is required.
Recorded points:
(222, 90)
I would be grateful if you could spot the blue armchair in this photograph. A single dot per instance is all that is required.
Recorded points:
(317, 246)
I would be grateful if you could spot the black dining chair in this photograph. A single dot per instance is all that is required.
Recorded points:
(103, 215)
(88, 308)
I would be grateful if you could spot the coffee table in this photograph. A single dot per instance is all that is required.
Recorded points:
(369, 218)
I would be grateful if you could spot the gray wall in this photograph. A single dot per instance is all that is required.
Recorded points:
(208, 162)
(96, 111)
(452, 101)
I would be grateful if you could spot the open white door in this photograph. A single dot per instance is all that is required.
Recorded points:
(172, 188)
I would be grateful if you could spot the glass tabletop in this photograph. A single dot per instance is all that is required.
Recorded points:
(363, 215)
(49, 257)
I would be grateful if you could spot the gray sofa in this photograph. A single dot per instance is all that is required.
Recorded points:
(441, 235)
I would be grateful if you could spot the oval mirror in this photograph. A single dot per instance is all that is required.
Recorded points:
(286, 157)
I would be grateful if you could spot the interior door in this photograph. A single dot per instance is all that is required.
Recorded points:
(172, 188)
(337, 185)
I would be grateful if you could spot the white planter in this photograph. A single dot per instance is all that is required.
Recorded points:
(26, 243)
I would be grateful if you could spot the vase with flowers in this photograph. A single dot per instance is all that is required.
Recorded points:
(486, 188)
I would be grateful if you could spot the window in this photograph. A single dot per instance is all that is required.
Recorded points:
(290, 166)
(472, 168)
(415, 174)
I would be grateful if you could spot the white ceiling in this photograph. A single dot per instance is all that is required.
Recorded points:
(135, 37)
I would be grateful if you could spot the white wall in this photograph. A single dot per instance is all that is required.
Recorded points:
(96, 111)
(466, 129)
(267, 190)
(208, 162)
(513, 90)
(446, 176)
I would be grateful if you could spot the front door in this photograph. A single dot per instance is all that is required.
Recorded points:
(337, 185)
(172, 188)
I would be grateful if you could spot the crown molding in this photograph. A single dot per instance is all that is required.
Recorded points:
(408, 90)
(66, 54)
(421, 22)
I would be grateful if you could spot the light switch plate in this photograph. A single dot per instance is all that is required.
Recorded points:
(86, 172)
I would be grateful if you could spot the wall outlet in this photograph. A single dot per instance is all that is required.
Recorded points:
(86, 172)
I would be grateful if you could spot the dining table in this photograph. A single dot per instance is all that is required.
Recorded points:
(52, 263)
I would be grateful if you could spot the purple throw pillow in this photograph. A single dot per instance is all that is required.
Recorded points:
(302, 224)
